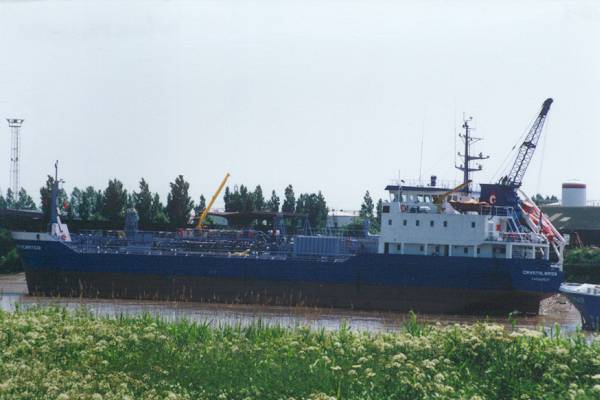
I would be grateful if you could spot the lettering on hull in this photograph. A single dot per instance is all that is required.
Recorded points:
(29, 247)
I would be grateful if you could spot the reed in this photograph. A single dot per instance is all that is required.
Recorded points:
(51, 353)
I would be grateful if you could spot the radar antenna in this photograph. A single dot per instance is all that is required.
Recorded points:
(467, 157)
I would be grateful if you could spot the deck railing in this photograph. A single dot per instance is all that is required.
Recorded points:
(226, 243)
(519, 237)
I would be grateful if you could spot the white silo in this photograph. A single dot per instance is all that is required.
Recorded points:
(573, 194)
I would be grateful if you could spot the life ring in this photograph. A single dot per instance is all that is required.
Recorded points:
(403, 208)
(493, 199)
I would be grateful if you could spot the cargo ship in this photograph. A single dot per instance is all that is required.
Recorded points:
(440, 250)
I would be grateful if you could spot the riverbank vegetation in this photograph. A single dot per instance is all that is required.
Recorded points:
(9, 258)
(55, 354)
(583, 265)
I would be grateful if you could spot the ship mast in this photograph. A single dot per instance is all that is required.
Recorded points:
(466, 167)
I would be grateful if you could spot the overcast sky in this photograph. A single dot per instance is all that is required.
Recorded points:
(326, 95)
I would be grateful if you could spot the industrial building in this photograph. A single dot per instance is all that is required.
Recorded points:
(341, 218)
(574, 217)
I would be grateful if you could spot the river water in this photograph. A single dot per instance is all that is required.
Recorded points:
(13, 293)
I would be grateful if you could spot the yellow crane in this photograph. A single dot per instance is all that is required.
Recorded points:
(439, 201)
(211, 202)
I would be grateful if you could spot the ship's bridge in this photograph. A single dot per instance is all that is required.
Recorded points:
(435, 221)
(416, 193)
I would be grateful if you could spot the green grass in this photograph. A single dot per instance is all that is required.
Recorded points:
(50, 353)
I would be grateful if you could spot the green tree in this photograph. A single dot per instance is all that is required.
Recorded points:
(541, 200)
(235, 200)
(377, 224)
(367, 207)
(10, 199)
(142, 202)
(157, 211)
(24, 201)
(130, 202)
(74, 203)
(258, 203)
(355, 227)
(3, 204)
(289, 200)
(273, 203)
(90, 205)
(227, 199)
(179, 203)
(315, 207)
(9, 258)
(301, 204)
(114, 202)
(245, 199)
(321, 211)
(201, 206)
(367, 212)
(46, 195)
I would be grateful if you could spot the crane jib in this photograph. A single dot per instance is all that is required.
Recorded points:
(527, 148)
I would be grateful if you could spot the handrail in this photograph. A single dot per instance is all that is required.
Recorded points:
(266, 255)
(520, 237)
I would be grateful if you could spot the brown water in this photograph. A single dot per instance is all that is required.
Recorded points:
(13, 293)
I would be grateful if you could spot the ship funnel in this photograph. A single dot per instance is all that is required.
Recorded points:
(433, 181)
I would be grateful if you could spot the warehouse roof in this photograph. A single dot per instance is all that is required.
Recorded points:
(574, 218)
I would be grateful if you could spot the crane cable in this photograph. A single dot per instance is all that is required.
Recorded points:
(510, 154)
(544, 141)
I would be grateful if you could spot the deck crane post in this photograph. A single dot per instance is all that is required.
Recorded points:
(527, 148)
(212, 201)
(530, 213)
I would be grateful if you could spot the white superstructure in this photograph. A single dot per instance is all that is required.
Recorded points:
(418, 221)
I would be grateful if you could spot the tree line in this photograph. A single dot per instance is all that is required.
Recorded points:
(112, 203)
(311, 205)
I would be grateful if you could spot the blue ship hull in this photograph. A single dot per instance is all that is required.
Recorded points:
(588, 305)
(428, 284)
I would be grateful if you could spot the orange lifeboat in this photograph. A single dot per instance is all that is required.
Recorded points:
(533, 214)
